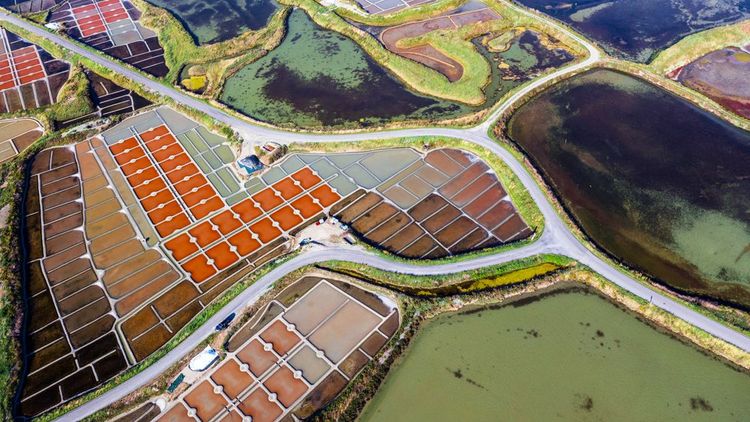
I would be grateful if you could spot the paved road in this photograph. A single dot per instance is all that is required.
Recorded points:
(556, 238)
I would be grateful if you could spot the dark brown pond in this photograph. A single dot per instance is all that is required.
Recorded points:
(652, 179)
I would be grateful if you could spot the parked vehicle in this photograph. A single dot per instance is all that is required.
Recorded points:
(225, 322)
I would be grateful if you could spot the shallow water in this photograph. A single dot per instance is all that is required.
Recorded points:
(636, 29)
(219, 20)
(572, 356)
(317, 77)
(651, 178)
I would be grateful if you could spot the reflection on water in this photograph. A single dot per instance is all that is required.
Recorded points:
(636, 29)
(317, 77)
(651, 178)
(219, 20)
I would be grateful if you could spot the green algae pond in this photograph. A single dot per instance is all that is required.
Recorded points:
(317, 77)
(654, 180)
(569, 355)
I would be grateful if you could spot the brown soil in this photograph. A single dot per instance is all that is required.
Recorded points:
(206, 403)
(281, 339)
(470, 242)
(419, 248)
(63, 225)
(324, 392)
(57, 260)
(62, 211)
(114, 237)
(85, 316)
(234, 380)
(509, 228)
(443, 162)
(92, 331)
(427, 207)
(259, 407)
(353, 363)
(483, 203)
(466, 178)
(441, 219)
(175, 298)
(496, 215)
(74, 284)
(139, 322)
(63, 242)
(455, 231)
(78, 300)
(406, 236)
(359, 207)
(387, 229)
(183, 316)
(256, 358)
(102, 210)
(149, 342)
(59, 185)
(473, 190)
(69, 270)
(287, 388)
(374, 343)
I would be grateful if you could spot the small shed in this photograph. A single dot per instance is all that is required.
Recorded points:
(250, 164)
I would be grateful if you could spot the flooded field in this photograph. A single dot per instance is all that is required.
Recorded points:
(651, 178)
(722, 75)
(215, 21)
(320, 78)
(636, 29)
(522, 59)
(504, 364)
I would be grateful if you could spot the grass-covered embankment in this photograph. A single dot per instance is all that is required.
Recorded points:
(722, 313)
(699, 44)
(417, 310)
(453, 43)
(477, 280)
(408, 14)
(415, 75)
(73, 100)
(180, 48)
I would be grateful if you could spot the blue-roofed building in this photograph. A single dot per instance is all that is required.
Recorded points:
(250, 164)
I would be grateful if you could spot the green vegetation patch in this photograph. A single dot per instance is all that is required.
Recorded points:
(700, 44)
(180, 48)
(74, 100)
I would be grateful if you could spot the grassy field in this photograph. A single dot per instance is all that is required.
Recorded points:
(482, 278)
(73, 100)
(699, 44)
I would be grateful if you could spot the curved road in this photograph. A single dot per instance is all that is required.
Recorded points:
(556, 238)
